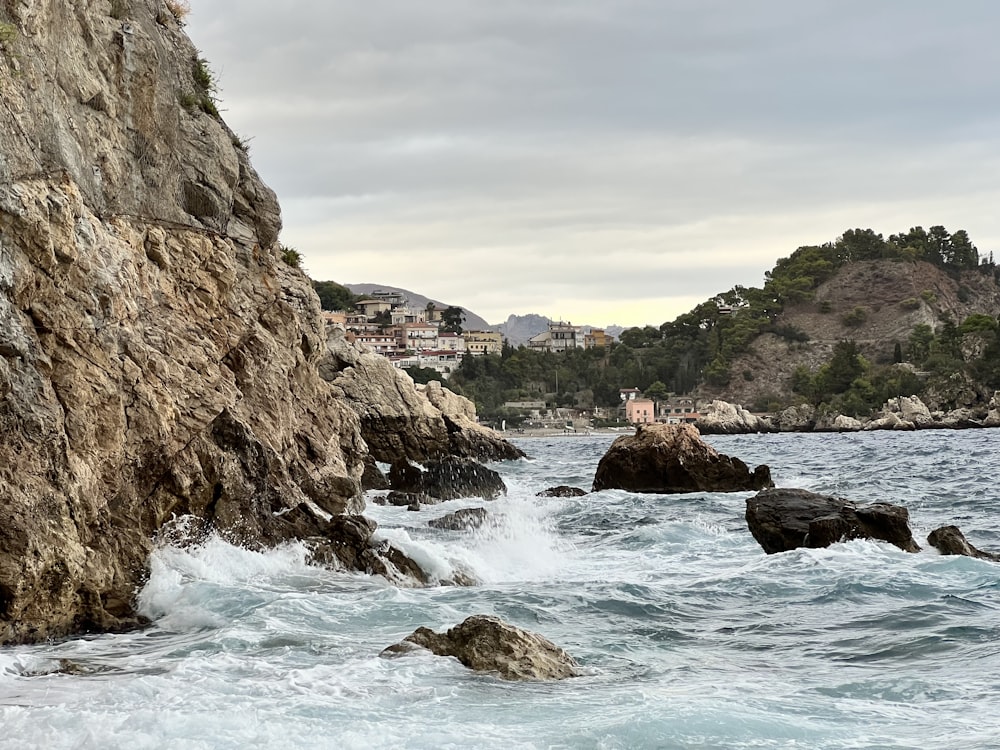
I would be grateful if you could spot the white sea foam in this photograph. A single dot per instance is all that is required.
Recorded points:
(184, 581)
(689, 634)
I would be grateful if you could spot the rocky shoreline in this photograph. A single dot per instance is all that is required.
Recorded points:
(902, 413)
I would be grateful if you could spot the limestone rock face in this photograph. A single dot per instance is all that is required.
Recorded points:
(466, 437)
(487, 644)
(992, 418)
(673, 458)
(397, 420)
(785, 519)
(157, 356)
(844, 423)
(903, 413)
(723, 418)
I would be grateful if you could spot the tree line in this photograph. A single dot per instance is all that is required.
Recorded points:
(699, 346)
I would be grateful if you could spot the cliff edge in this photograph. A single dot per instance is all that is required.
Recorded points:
(158, 358)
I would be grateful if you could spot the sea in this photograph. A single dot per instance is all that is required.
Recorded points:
(688, 635)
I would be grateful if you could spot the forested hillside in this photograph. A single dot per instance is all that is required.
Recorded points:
(844, 324)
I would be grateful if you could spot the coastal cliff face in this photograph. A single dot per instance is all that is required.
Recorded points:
(157, 356)
(895, 297)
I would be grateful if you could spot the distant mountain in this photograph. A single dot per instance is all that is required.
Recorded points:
(519, 328)
(472, 321)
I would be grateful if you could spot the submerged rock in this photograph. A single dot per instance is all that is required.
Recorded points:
(487, 644)
(785, 519)
(562, 491)
(949, 540)
(673, 458)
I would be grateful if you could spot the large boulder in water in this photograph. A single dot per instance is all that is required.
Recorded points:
(784, 519)
(671, 459)
(949, 540)
(447, 479)
(487, 644)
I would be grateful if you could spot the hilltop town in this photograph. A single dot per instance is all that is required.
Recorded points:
(432, 337)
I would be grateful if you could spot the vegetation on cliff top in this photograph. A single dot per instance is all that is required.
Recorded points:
(697, 349)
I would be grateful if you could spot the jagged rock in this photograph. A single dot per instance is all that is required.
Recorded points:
(992, 418)
(889, 421)
(902, 413)
(844, 423)
(398, 421)
(410, 498)
(800, 418)
(562, 491)
(487, 644)
(949, 540)
(447, 479)
(460, 520)
(957, 419)
(158, 358)
(913, 410)
(785, 519)
(346, 541)
(723, 418)
(673, 458)
(466, 437)
(373, 478)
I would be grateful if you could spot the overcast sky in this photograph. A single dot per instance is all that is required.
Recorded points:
(606, 161)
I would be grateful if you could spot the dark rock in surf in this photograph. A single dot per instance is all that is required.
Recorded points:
(672, 459)
(785, 519)
(949, 540)
(373, 478)
(345, 541)
(447, 479)
(562, 491)
(461, 520)
(487, 644)
(401, 499)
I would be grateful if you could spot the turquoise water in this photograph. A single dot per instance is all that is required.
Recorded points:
(690, 637)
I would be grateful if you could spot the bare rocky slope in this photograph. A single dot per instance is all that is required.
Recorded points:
(895, 296)
(157, 356)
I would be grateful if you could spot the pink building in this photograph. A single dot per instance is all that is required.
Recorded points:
(640, 411)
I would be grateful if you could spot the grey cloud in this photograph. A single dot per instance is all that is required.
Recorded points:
(692, 137)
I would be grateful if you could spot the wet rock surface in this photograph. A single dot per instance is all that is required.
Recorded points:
(949, 540)
(664, 458)
(562, 491)
(487, 644)
(785, 519)
(159, 358)
(447, 479)
(461, 520)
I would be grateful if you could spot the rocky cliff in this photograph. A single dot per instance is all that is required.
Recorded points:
(889, 298)
(157, 356)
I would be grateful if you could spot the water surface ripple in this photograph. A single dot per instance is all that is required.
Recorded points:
(689, 635)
